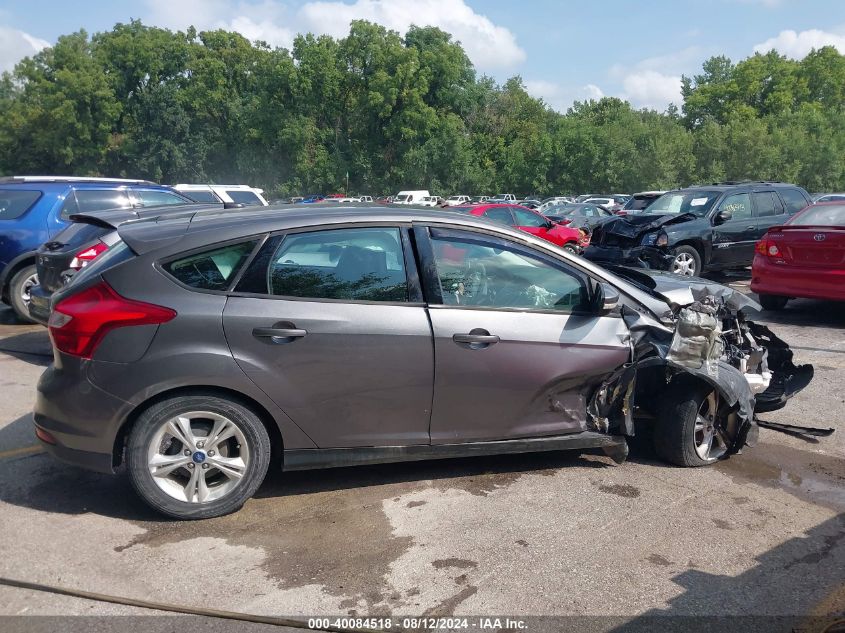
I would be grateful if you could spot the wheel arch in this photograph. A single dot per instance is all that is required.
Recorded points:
(21, 261)
(275, 434)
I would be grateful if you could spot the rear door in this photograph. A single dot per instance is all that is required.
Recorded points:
(330, 324)
(517, 346)
(768, 211)
(734, 239)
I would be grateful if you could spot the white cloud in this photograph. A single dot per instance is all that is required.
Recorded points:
(15, 45)
(488, 45)
(652, 89)
(798, 45)
(561, 97)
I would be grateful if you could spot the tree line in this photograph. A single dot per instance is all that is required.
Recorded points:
(398, 112)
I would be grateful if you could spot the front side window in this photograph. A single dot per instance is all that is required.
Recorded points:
(476, 271)
(365, 264)
(153, 198)
(15, 202)
(739, 206)
(526, 218)
(242, 196)
(213, 269)
(88, 200)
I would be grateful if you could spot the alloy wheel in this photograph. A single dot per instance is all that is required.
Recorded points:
(684, 264)
(706, 436)
(198, 456)
(26, 288)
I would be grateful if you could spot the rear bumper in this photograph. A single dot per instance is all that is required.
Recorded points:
(83, 419)
(788, 280)
(39, 304)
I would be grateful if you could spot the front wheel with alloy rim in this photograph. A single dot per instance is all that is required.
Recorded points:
(21, 284)
(686, 262)
(571, 249)
(197, 457)
(692, 428)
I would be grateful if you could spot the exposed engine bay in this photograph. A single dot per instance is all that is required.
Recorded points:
(708, 340)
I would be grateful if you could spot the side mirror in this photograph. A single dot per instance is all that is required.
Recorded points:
(723, 216)
(608, 298)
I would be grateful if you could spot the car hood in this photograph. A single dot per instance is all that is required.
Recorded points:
(678, 291)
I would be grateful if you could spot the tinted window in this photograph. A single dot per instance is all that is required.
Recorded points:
(243, 197)
(821, 215)
(152, 198)
(739, 205)
(15, 202)
(764, 204)
(201, 196)
(101, 200)
(213, 269)
(353, 264)
(489, 273)
(526, 218)
(793, 199)
(499, 214)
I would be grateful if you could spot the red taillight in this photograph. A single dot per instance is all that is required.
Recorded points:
(83, 258)
(768, 248)
(78, 323)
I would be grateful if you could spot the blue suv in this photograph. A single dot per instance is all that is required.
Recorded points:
(34, 209)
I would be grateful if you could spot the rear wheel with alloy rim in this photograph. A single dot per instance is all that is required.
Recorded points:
(687, 261)
(197, 457)
(571, 249)
(773, 302)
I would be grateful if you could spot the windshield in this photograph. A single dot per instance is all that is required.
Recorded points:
(695, 202)
(821, 215)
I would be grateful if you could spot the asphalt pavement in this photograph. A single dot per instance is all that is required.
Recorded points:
(761, 534)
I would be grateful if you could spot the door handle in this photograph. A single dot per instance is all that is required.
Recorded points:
(478, 338)
(750, 227)
(279, 335)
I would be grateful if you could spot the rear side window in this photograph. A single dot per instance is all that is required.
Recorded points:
(526, 218)
(365, 264)
(100, 200)
(15, 202)
(766, 205)
(793, 199)
(152, 198)
(201, 196)
(243, 197)
(213, 269)
(500, 214)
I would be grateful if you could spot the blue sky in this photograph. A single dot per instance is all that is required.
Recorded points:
(564, 50)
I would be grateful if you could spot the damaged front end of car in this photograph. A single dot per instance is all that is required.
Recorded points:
(634, 240)
(707, 343)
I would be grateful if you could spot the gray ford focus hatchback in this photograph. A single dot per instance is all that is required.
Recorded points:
(203, 345)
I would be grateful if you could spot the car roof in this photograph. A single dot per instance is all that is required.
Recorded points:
(74, 179)
(731, 185)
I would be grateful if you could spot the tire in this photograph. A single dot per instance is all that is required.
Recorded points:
(686, 261)
(676, 431)
(773, 302)
(154, 444)
(19, 287)
(571, 249)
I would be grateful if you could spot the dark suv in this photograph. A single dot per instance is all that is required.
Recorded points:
(34, 209)
(706, 227)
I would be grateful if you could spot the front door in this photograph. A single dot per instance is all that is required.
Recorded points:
(517, 345)
(734, 238)
(322, 321)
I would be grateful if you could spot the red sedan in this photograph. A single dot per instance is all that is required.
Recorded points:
(524, 219)
(803, 258)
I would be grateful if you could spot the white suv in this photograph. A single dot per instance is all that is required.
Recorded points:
(238, 194)
(457, 201)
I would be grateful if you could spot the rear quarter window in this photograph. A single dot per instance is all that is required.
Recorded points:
(15, 202)
(243, 197)
(213, 269)
(793, 200)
